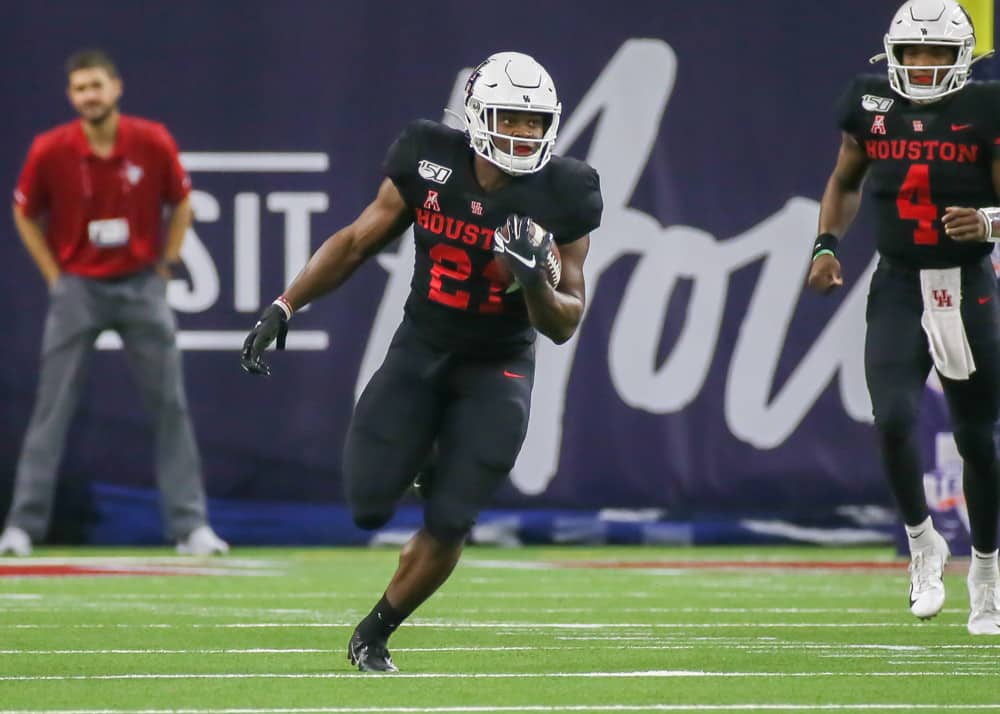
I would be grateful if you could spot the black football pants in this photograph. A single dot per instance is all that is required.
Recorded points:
(897, 362)
(475, 411)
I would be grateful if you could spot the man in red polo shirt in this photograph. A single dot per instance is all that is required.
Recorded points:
(89, 208)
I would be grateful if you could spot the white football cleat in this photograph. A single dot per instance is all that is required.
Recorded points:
(984, 608)
(927, 578)
(202, 541)
(15, 541)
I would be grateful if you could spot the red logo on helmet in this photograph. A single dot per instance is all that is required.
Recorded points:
(471, 82)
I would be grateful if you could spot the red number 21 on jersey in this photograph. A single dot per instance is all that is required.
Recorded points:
(453, 264)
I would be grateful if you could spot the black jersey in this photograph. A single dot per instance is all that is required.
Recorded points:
(454, 297)
(923, 158)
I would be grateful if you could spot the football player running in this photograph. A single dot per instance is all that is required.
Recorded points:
(928, 141)
(456, 381)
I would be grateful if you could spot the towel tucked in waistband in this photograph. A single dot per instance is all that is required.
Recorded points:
(941, 290)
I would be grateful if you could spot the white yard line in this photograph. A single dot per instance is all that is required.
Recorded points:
(335, 595)
(486, 709)
(647, 674)
(255, 650)
(512, 595)
(527, 626)
(35, 603)
(145, 560)
(907, 653)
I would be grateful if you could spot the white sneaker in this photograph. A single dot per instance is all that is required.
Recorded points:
(203, 541)
(926, 578)
(984, 608)
(14, 541)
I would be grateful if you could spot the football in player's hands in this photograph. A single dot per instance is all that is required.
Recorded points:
(524, 252)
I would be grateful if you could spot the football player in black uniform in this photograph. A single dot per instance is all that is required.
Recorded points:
(457, 379)
(928, 142)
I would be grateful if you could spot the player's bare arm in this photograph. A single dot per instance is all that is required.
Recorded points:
(556, 313)
(837, 210)
(340, 255)
(970, 224)
(33, 237)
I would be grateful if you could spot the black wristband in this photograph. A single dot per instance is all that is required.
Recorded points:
(825, 243)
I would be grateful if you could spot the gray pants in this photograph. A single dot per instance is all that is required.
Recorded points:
(80, 309)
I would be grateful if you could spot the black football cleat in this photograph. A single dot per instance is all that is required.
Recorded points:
(369, 656)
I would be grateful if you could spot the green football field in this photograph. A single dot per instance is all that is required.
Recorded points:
(514, 630)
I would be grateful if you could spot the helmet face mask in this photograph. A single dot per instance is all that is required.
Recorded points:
(511, 82)
(940, 23)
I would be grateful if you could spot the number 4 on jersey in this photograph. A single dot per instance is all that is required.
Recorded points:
(914, 204)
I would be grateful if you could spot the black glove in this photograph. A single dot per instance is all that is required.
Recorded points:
(272, 325)
(526, 246)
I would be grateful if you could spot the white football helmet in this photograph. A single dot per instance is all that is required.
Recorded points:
(930, 22)
(510, 81)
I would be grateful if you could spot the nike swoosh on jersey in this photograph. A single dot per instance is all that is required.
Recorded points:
(960, 127)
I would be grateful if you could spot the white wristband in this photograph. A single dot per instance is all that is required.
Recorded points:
(285, 307)
(991, 215)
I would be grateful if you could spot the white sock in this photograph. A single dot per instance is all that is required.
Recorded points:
(983, 567)
(921, 536)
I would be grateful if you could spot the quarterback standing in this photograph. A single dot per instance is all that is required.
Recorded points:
(926, 141)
